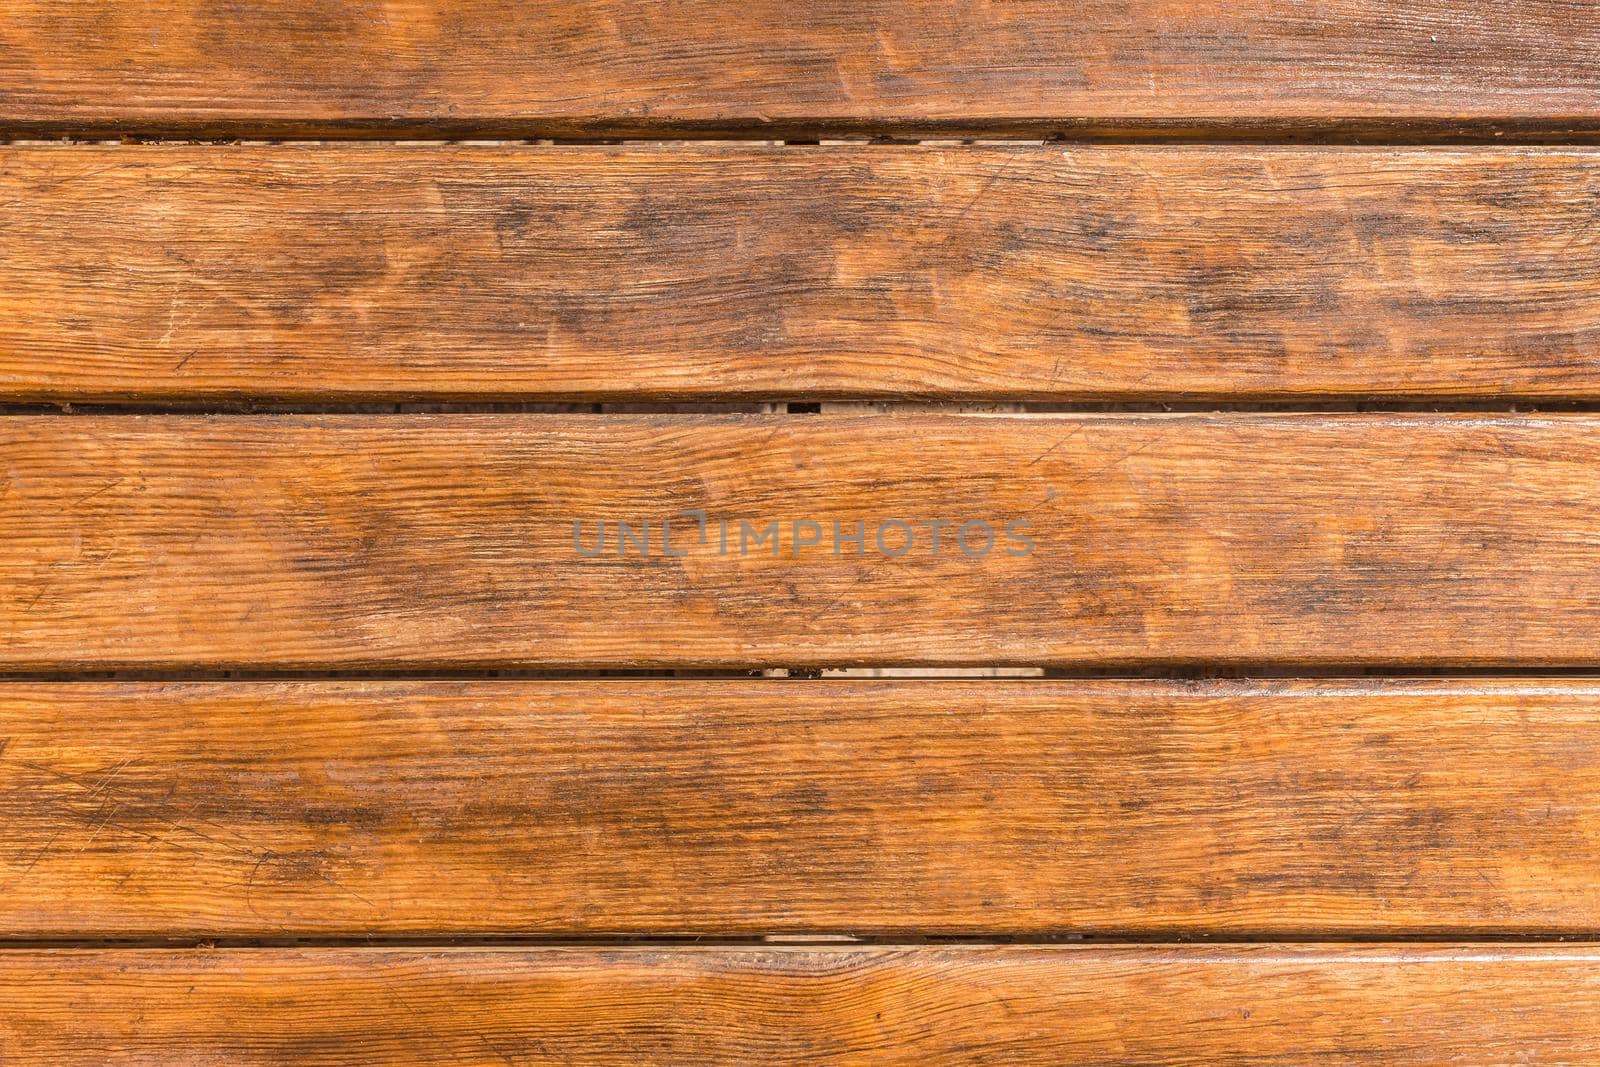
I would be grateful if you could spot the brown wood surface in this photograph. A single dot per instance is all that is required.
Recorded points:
(1461, 1004)
(552, 808)
(1042, 273)
(507, 816)
(617, 67)
(175, 542)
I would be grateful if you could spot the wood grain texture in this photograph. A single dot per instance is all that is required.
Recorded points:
(352, 809)
(1016, 1006)
(1044, 273)
(557, 68)
(177, 542)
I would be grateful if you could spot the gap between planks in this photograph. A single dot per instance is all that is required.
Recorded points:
(804, 134)
(1509, 405)
(1308, 939)
(1197, 672)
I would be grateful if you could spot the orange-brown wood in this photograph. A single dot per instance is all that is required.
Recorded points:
(349, 809)
(1035, 273)
(1047, 1006)
(460, 541)
(619, 68)
(715, 822)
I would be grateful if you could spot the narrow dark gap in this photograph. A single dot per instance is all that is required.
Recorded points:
(999, 675)
(805, 132)
(856, 407)
(1309, 938)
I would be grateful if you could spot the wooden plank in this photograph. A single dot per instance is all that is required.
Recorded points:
(1105, 273)
(301, 542)
(1047, 1006)
(353, 809)
(553, 68)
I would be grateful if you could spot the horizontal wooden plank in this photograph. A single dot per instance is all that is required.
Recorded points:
(1087, 1006)
(1380, 808)
(1043, 273)
(158, 542)
(550, 67)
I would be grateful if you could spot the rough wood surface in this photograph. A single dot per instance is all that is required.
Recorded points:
(1017, 1006)
(350, 809)
(1043, 273)
(616, 67)
(178, 542)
